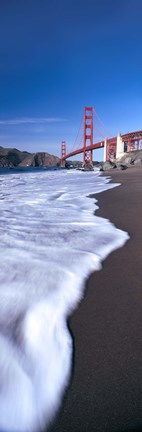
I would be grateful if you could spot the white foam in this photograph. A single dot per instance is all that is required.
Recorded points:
(50, 242)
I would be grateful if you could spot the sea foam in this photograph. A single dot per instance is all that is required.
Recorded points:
(50, 241)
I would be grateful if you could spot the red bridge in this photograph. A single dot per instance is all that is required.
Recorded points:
(113, 147)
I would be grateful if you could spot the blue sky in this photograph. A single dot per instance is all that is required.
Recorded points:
(58, 56)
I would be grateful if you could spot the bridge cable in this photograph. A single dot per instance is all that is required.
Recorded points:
(100, 135)
(104, 127)
(79, 144)
(78, 132)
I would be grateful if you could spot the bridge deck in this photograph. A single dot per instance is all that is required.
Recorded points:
(81, 150)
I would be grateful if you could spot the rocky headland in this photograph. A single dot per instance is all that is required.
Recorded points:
(130, 159)
(12, 157)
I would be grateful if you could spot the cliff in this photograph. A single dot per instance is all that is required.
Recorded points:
(132, 158)
(11, 157)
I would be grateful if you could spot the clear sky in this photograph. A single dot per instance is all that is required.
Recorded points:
(58, 56)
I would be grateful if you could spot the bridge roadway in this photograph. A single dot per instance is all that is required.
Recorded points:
(81, 150)
(130, 136)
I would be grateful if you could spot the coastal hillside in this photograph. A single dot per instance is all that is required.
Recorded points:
(132, 158)
(12, 157)
(129, 159)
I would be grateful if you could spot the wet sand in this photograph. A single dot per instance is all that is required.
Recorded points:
(105, 393)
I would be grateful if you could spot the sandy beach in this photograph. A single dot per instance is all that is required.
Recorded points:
(105, 393)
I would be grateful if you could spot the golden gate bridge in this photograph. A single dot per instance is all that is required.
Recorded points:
(113, 146)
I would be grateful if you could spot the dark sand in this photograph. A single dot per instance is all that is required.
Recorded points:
(105, 393)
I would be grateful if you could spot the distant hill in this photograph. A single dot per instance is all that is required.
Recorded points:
(12, 157)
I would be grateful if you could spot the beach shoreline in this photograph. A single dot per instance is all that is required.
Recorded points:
(105, 393)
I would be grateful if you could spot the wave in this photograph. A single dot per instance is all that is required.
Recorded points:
(50, 242)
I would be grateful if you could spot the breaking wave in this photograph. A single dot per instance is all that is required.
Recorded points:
(50, 241)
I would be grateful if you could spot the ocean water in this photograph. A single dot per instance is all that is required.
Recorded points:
(50, 241)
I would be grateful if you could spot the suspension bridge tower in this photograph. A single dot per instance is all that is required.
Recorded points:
(86, 141)
(63, 153)
(88, 136)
